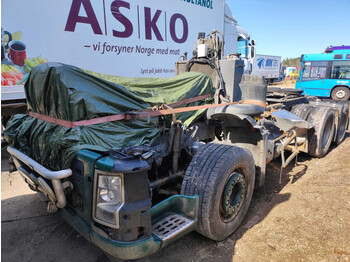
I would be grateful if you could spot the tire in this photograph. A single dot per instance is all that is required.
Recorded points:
(302, 110)
(343, 125)
(320, 139)
(223, 177)
(341, 93)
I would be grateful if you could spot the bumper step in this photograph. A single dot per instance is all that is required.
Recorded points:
(171, 225)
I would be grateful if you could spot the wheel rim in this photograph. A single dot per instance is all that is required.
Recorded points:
(232, 197)
(340, 94)
(327, 133)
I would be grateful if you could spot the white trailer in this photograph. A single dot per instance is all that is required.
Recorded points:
(126, 38)
(267, 66)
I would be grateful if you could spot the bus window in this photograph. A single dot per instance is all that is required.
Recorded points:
(307, 69)
(338, 56)
(340, 70)
(315, 70)
(321, 72)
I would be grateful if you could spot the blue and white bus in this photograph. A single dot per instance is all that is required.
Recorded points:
(326, 74)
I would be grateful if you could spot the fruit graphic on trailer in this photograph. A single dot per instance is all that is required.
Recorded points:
(32, 62)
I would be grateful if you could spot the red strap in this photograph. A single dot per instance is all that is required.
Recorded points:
(190, 100)
(53, 120)
(105, 119)
(195, 108)
(136, 114)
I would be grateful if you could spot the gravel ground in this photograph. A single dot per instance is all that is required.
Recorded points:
(306, 218)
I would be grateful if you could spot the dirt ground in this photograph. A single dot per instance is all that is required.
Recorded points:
(306, 218)
(287, 83)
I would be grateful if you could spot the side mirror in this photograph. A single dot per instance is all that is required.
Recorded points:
(252, 49)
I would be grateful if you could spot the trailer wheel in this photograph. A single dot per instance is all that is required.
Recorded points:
(223, 177)
(340, 93)
(320, 139)
(343, 125)
(302, 110)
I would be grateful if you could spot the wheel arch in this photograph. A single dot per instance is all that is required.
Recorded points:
(242, 131)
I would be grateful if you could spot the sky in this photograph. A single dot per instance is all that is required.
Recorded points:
(291, 28)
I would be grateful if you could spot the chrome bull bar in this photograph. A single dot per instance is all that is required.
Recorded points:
(54, 176)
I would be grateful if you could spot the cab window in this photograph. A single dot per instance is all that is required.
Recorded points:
(242, 46)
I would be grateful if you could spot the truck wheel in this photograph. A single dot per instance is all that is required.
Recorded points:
(343, 125)
(322, 118)
(302, 110)
(223, 177)
(340, 93)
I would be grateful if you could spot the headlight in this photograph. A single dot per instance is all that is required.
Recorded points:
(108, 198)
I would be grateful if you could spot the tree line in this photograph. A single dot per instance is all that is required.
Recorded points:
(291, 61)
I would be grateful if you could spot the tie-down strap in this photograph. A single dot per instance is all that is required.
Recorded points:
(145, 113)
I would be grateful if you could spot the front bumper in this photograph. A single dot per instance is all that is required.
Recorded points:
(184, 205)
(171, 219)
(21, 160)
(122, 250)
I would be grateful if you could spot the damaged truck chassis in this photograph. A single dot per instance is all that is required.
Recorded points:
(199, 177)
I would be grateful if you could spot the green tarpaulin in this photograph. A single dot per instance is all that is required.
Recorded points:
(69, 93)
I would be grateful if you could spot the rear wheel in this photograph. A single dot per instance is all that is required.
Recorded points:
(342, 126)
(320, 139)
(302, 110)
(223, 177)
(340, 93)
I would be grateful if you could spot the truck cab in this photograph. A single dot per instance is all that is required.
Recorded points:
(237, 41)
